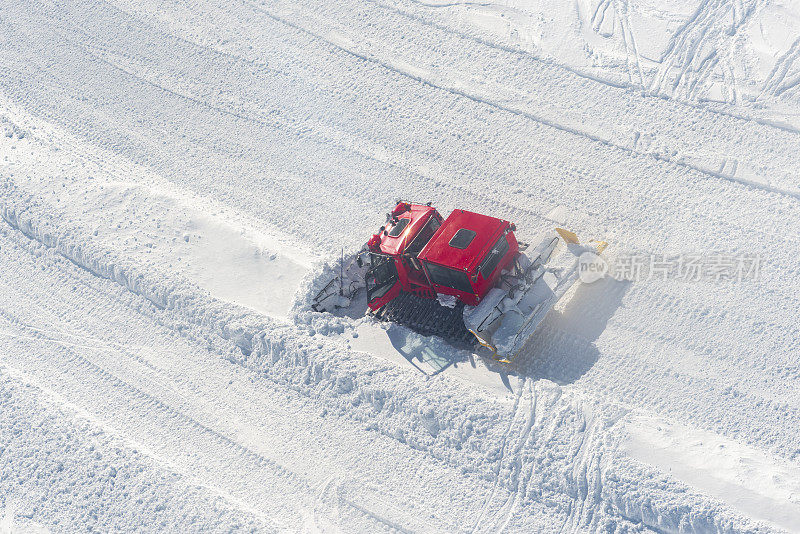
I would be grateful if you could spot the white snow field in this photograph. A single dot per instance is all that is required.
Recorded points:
(176, 179)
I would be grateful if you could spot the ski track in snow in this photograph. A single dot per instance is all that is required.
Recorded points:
(161, 162)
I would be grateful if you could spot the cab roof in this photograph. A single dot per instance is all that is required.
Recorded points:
(416, 217)
(463, 240)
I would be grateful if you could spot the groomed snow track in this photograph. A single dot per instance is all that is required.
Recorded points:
(160, 368)
(485, 441)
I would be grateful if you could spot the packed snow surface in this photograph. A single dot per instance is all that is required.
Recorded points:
(178, 179)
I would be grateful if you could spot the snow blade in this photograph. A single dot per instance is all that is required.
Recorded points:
(568, 236)
(509, 315)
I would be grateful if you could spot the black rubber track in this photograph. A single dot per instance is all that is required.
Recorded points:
(429, 318)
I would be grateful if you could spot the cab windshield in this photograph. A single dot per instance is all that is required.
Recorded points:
(423, 237)
(398, 227)
(444, 276)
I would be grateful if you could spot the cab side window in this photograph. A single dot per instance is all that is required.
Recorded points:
(492, 259)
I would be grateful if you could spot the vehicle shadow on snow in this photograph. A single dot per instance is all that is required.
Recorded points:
(433, 354)
(563, 348)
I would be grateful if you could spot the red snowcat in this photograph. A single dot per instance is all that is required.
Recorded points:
(464, 278)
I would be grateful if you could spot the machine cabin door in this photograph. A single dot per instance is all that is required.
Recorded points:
(382, 281)
(415, 272)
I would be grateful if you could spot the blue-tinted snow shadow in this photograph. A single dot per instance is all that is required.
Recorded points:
(563, 348)
(430, 355)
(357, 308)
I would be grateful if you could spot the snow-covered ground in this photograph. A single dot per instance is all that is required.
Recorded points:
(177, 177)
